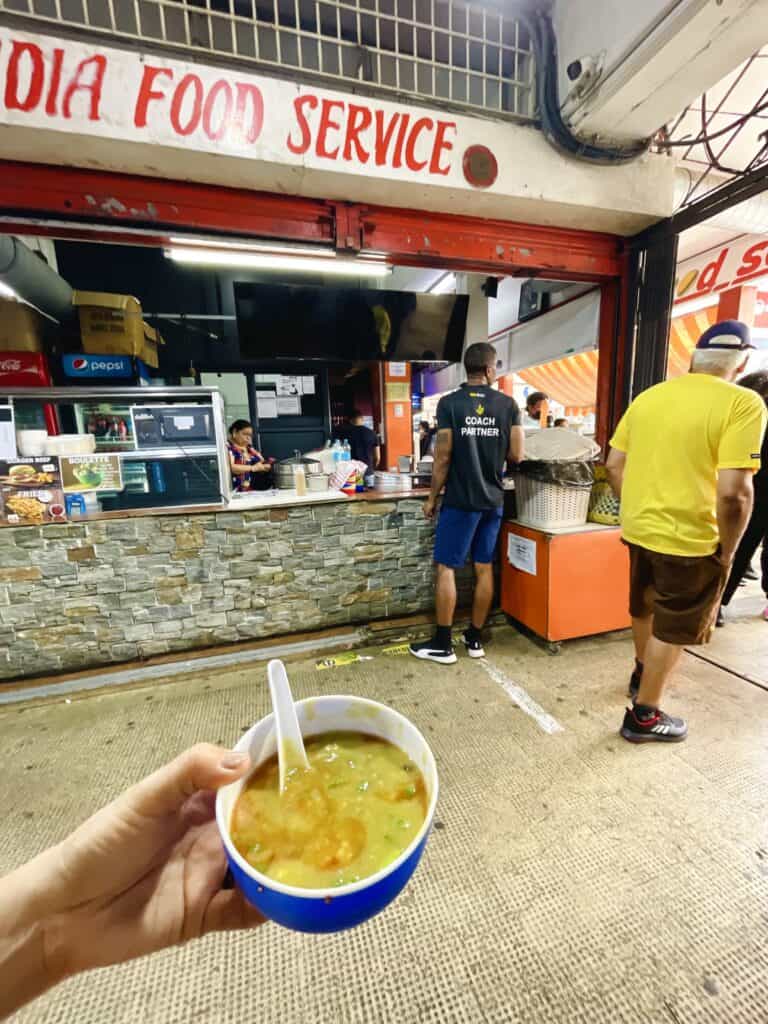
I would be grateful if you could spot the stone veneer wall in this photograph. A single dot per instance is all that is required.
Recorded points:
(91, 593)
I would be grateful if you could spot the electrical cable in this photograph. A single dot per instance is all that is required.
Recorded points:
(738, 123)
(553, 127)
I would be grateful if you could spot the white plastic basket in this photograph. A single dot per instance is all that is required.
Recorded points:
(550, 506)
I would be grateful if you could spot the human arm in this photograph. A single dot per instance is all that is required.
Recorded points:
(516, 446)
(256, 464)
(738, 458)
(617, 456)
(143, 873)
(440, 466)
(614, 468)
(239, 468)
(376, 456)
(735, 498)
(516, 449)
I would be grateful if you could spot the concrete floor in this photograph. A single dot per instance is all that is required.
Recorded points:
(572, 877)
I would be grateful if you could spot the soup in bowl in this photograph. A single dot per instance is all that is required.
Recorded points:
(345, 837)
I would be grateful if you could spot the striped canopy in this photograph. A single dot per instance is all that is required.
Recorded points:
(571, 381)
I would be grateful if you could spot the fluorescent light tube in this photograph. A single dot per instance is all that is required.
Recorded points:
(266, 261)
(247, 246)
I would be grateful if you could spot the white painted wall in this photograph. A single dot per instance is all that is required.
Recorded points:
(654, 57)
(536, 183)
(503, 310)
(562, 331)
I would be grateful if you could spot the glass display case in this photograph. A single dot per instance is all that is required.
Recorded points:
(127, 448)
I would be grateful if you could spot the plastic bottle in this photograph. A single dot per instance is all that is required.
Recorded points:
(347, 449)
(300, 480)
(337, 452)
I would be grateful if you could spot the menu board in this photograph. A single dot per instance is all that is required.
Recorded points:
(31, 491)
(81, 473)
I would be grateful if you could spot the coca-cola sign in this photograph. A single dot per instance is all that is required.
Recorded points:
(23, 369)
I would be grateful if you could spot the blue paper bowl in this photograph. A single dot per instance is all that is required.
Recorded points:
(330, 910)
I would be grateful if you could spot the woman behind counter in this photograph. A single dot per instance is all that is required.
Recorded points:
(244, 461)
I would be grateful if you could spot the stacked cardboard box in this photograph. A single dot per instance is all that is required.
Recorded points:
(113, 324)
(21, 327)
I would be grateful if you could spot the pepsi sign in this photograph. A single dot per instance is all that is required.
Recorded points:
(97, 366)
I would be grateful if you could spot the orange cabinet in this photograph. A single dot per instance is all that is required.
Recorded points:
(565, 583)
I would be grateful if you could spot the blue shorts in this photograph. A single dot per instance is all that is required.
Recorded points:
(459, 531)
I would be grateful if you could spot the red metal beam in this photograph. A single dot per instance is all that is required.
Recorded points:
(615, 350)
(495, 246)
(409, 237)
(97, 197)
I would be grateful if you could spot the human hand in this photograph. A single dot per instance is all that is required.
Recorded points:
(429, 508)
(146, 871)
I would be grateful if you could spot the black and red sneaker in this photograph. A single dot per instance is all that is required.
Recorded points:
(649, 725)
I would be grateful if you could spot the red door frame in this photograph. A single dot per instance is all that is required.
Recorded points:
(128, 208)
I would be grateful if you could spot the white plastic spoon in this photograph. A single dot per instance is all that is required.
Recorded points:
(290, 745)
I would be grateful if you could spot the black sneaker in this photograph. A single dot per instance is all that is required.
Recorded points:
(634, 681)
(720, 620)
(474, 647)
(658, 727)
(429, 650)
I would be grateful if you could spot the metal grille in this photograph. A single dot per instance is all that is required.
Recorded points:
(444, 51)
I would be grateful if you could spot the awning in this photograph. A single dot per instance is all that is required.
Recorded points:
(684, 332)
(571, 381)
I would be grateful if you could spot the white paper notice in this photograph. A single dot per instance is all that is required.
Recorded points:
(308, 385)
(399, 412)
(289, 386)
(288, 406)
(7, 433)
(521, 553)
(266, 405)
(398, 369)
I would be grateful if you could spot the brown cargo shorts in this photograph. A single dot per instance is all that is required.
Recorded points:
(683, 594)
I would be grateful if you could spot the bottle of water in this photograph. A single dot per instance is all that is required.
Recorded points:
(347, 449)
(337, 452)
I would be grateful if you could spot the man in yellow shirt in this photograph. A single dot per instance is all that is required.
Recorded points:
(682, 461)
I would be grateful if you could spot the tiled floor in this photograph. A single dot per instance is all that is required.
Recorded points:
(574, 878)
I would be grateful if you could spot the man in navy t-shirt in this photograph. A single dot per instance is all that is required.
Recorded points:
(478, 430)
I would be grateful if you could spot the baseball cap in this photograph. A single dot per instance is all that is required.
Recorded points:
(728, 335)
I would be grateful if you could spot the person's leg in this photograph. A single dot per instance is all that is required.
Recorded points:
(640, 609)
(483, 597)
(453, 537)
(483, 551)
(445, 595)
(659, 661)
(642, 627)
(687, 596)
(744, 553)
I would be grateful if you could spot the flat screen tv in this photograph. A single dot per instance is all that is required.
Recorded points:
(338, 324)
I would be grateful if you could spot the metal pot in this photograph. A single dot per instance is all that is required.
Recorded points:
(284, 471)
(318, 481)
